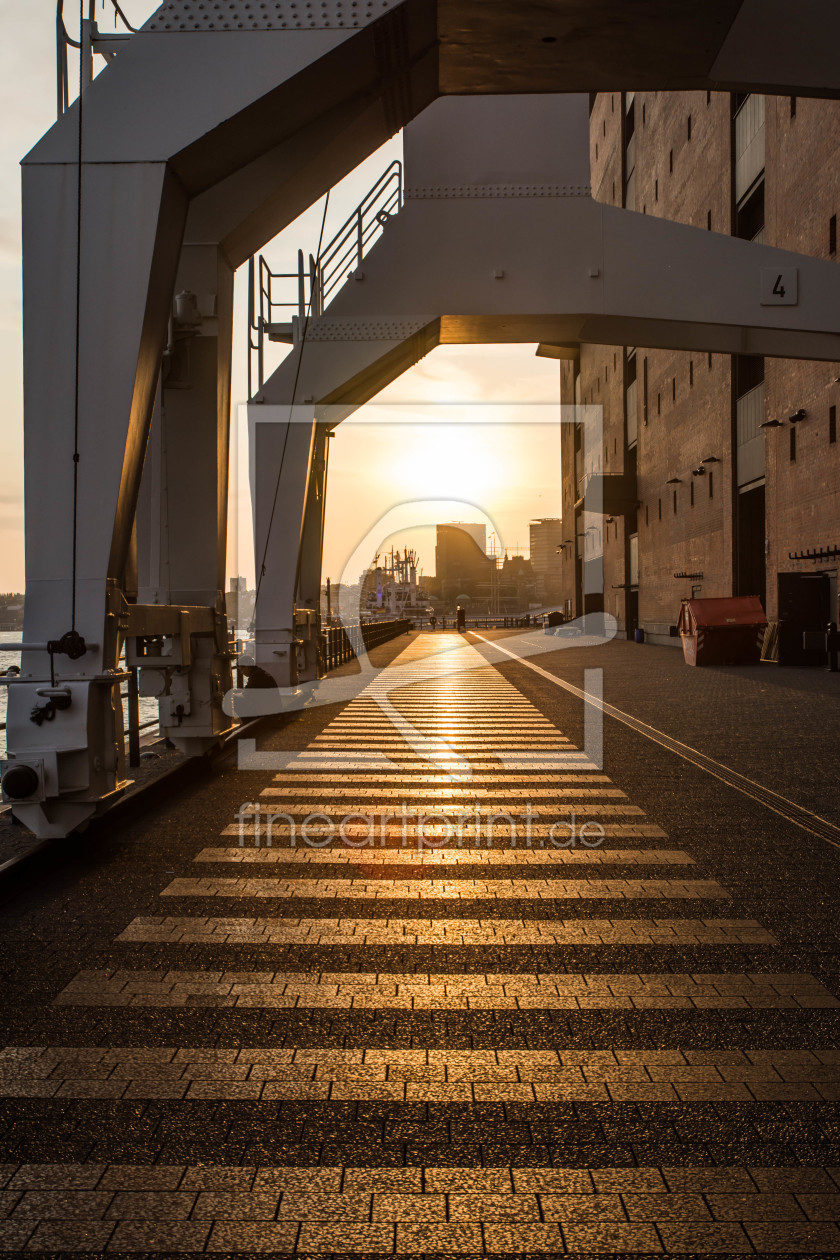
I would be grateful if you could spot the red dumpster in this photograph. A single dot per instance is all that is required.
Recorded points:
(722, 631)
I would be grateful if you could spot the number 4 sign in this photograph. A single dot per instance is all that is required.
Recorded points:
(780, 286)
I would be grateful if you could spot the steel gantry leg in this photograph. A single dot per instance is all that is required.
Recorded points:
(185, 485)
(282, 451)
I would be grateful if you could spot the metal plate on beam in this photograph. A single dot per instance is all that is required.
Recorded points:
(266, 15)
(334, 328)
(446, 191)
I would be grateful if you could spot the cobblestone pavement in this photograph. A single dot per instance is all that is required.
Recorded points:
(391, 999)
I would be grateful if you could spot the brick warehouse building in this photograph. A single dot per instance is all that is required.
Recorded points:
(716, 467)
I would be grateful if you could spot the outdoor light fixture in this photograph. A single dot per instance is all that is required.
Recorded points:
(798, 415)
(710, 459)
(674, 481)
(700, 471)
(771, 424)
(610, 520)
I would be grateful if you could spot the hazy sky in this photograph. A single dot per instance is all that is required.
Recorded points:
(408, 446)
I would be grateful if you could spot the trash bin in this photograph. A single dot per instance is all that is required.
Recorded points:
(639, 634)
(722, 631)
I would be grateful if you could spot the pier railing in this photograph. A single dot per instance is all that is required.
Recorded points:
(345, 643)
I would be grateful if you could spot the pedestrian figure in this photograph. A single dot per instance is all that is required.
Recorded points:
(461, 617)
(433, 621)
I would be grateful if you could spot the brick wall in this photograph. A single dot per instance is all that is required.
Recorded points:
(684, 173)
(803, 192)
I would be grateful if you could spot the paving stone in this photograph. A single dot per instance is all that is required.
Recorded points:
(71, 1236)
(151, 1235)
(61, 1204)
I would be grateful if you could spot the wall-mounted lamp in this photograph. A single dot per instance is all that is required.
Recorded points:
(710, 459)
(699, 471)
(609, 520)
(771, 424)
(674, 481)
(798, 415)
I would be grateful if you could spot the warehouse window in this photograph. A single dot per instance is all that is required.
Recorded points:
(660, 509)
(749, 216)
(711, 484)
(710, 360)
(832, 424)
(793, 445)
(832, 234)
(671, 161)
(793, 107)
(691, 373)
(688, 127)
(692, 494)
(708, 220)
(629, 133)
(675, 503)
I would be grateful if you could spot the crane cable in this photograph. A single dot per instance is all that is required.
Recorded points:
(76, 407)
(261, 573)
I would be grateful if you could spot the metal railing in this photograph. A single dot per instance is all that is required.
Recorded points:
(274, 305)
(134, 725)
(352, 240)
(345, 643)
(263, 306)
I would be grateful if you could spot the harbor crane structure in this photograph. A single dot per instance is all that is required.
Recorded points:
(211, 129)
